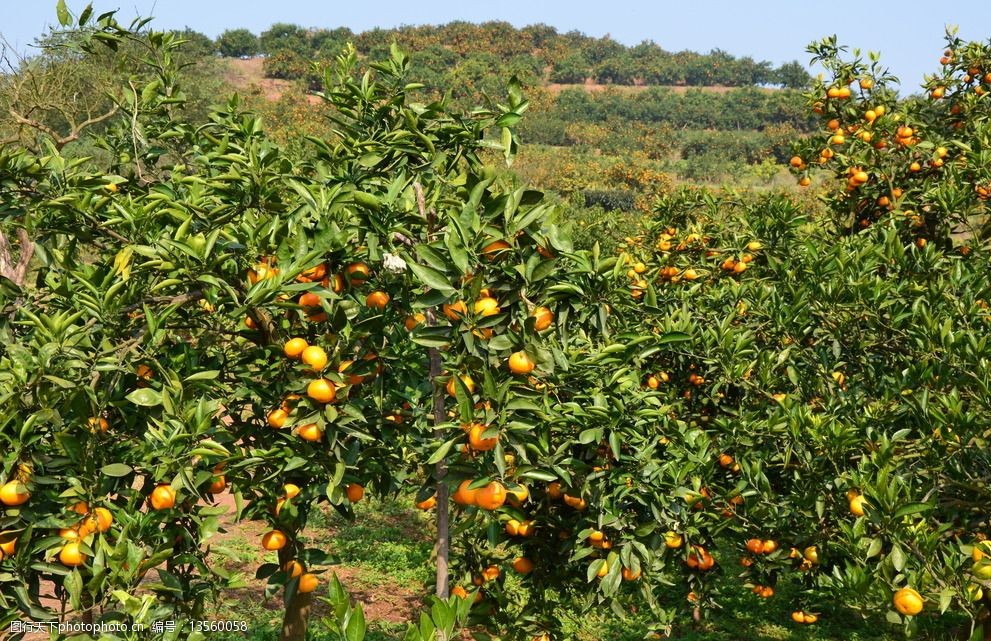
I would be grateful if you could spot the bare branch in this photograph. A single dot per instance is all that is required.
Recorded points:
(16, 272)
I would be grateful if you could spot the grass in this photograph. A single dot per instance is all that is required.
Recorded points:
(388, 546)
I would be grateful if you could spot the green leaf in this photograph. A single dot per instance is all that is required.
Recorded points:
(355, 630)
(145, 397)
(897, 557)
(207, 375)
(912, 508)
(64, 18)
(441, 451)
(116, 470)
(432, 278)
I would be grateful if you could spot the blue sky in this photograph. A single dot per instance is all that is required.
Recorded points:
(909, 34)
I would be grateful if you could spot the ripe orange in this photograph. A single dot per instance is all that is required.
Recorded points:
(274, 540)
(459, 592)
(576, 502)
(310, 432)
(491, 573)
(313, 274)
(491, 497)
(520, 363)
(463, 495)
(770, 546)
(477, 442)
(357, 273)
(354, 492)
(857, 505)
(70, 555)
(308, 583)
(756, 546)
(7, 547)
(630, 575)
(428, 503)
(14, 493)
(277, 418)
(798, 616)
(322, 391)
(518, 495)
(523, 565)
(67, 533)
(455, 311)
(294, 347)
(309, 299)
(495, 249)
(486, 306)
(725, 460)
(526, 529)
(603, 569)
(907, 601)
(412, 321)
(673, 540)
(352, 379)
(554, 490)
(469, 383)
(104, 519)
(293, 569)
(290, 490)
(543, 318)
(163, 497)
(98, 423)
(377, 300)
(513, 527)
(315, 357)
(218, 485)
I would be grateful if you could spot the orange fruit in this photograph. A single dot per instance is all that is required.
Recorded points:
(352, 379)
(7, 547)
(459, 592)
(104, 519)
(526, 529)
(798, 617)
(543, 318)
(98, 423)
(322, 391)
(313, 274)
(495, 249)
(277, 418)
(770, 546)
(70, 555)
(69, 534)
(755, 546)
(290, 490)
(523, 565)
(377, 300)
(486, 306)
(491, 573)
(630, 575)
(357, 273)
(491, 497)
(673, 540)
(519, 494)
(293, 569)
(520, 363)
(308, 583)
(907, 601)
(603, 569)
(315, 357)
(455, 311)
(857, 505)
(14, 493)
(477, 442)
(274, 540)
(310, 432)
(469, 384)
(309, 299)
(811, 618)
(725, 460)
(576, 502)
(163, 497)
(554, 490)
(427, 503)
(294, 347)
(463, 495)
(412, 321)
(354, 492)
(218, 485)
(513, 527)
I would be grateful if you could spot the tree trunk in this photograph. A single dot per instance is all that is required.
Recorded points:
(443, 528)
(297, 610)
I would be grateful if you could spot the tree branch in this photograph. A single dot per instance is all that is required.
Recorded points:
(16, 272)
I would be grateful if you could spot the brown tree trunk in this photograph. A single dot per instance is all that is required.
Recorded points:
(297, 609)
(443, 527)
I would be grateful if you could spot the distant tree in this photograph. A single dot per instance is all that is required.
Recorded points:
(282, 36)
(197, 44)
(234, 43)
(329, 42)
(572, 70)
(618, 69)
(539, 35)
(792, 75)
